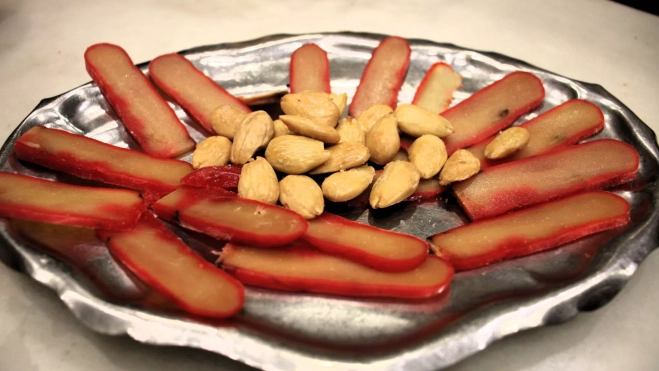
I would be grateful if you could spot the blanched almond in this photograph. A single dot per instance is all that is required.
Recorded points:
(341, 101)
(374, 113)
(302, 195)
(259, 182)
(226, 120)
(254, 133)
(382, 140)
(281, 129)
(507, 142)
(428, 154)
(343, 156)
(314, 105)
(212, 151)
(346, 185)
(293, 154)
(350, 131)
(460, 166)
(416, 121)
(311, 129)
(397, 182)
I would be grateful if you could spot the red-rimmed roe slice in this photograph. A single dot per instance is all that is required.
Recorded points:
(530, 230)
(225, 216)
(435, 91)
(309, 69)
(597, 164)
(157, 257)
(146, 115)
(370, 246)
(302, 269)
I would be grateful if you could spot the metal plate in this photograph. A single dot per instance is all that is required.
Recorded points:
(284, 331)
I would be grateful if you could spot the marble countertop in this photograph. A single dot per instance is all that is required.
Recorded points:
(41, 47)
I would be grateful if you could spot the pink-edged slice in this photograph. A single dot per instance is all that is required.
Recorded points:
(370, 246)
(383, 75)
(157, 257)
(309, 69)
(40, 200)
(561, 126)
(530, 230)
(146, 115)
(499, 189)
(228, 217)
(437, 87)
(197, 93)
(302, 269)
(492, 108)
(91, 159)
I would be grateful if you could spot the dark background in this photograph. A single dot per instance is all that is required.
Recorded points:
(649, 6)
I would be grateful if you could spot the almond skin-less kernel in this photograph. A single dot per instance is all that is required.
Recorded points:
(294, 154)
(398, 181)
(346, 185)
(428, 154)
(259, 182)
(302, 195)
(212, 151)
(460, 166)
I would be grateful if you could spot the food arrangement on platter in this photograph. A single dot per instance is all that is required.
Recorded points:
(274, 205)
(527, 188)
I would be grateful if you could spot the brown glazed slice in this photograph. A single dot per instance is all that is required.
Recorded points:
(40, 200)
(223, 215)
(492, 108)
(370, 246)
(437, 87)
(143, 111)
(383, 75)
(561, 126)
(301, 269)
(91, 159)
(197, 93)
(157, 257)
(530, 230)
(598, 164)
(309, 69)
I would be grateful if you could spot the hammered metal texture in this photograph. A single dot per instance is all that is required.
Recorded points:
(284, 331)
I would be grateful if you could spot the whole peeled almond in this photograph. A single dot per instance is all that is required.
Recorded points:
(350, 131)
(343, 156)
(314, 105)
(226, 120)
(302, 195)
(212, 151)
(311, 129)
(428, 154)
(254, 133)
(416, 121)
(341, 102)
(507, 142)
(281, 129)
(460, 166)
(382, 140)
(346, 185)
(374, 113)
(293, 154)
(398, 181)
(259, 182)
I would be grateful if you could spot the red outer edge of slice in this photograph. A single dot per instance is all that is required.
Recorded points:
(70, 164)
(569, 141)
(356, 104)
(188, 103)
(601, 182)
(324, 70)
(362, 257)
(145, 276)
(451, 146)
(322, 286)
(119, 104)
(211, 177)
(510, 248)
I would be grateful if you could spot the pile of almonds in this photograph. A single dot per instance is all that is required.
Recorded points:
(310, 139)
